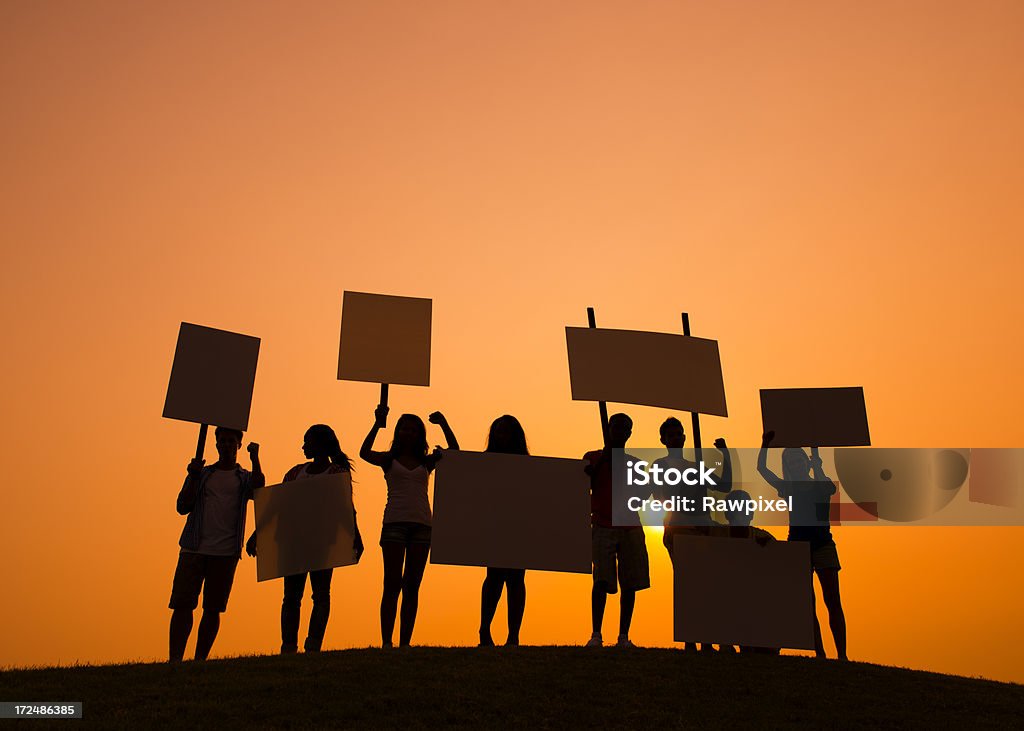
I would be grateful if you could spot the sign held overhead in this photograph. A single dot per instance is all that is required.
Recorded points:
(645, 368)
(815, 417)
(212, 377)
(385, 339)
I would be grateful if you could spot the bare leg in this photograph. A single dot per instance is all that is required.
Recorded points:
(516, 583)
(626, 603)
(181, 627)
(819, 648)
(829, 580)
(415, 563)
(490, 595)
(207, 633)
(394, 557)
(598, 599)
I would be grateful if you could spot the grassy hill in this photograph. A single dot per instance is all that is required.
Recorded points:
(544, 687)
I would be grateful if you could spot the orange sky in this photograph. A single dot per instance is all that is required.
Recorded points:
(831, 190)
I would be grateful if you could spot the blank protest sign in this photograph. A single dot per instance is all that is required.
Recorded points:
(511, 511)
(304, 525)
(650, 369)
(815, 417)
(733, 591)
(212, 377)
(385, 339)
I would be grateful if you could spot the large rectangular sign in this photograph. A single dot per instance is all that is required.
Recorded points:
(304, 525)
(212, 377)
(650, 369)
(385, 339)
(511, 511)
(815, 417)
(734, 591)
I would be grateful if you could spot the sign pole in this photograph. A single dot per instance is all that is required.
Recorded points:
(383, 397)
(694, 416)
(601, 405)
(201, 442)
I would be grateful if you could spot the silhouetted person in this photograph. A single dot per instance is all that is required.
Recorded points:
(619, 553)
(740, 527)
(699, 521)
(214, 499)
(507, 437)
(812, 491)
(405, 535)
(320, 444)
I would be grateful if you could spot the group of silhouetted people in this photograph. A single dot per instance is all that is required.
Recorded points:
(214, 499)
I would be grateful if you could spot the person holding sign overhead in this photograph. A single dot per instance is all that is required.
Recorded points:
(213, 499)
(619, 552)
(809, 520)
(506, 436)
(697, 522)
(405, 536)
(321, 445)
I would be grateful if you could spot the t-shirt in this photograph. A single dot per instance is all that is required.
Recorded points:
(601, 490)
(221, 504)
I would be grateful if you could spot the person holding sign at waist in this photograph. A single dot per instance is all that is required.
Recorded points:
(405, 535)
(321, 445)
(507, 437)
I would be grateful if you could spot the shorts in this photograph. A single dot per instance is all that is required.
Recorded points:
(195, 571)
(408, 534)
(825, 557)
(620, 553)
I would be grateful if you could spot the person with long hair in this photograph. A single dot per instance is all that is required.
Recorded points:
(320, 444)
(405, 535)
(805, 481)
(506, 436)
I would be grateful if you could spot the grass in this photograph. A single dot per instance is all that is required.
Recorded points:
(536, 687)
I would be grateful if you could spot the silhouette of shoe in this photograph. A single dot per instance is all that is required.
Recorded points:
(595, 642)
(624, 642)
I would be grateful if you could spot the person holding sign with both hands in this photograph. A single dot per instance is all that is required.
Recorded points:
(405, 535)
(811, 489)
(320, 444)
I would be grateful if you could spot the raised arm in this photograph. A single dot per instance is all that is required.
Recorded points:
(449, 436)
(366, 453)
(258, 479)
(190, 489)
(725, 481)
(762, 462)
(818, 473)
